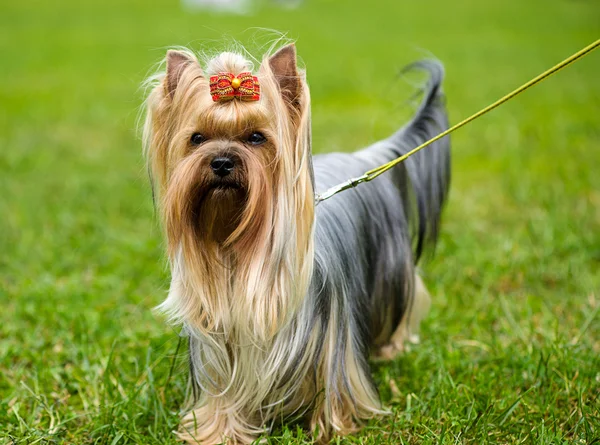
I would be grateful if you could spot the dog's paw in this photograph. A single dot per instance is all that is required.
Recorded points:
(388, 352)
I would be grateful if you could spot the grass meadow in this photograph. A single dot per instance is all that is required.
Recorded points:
(511, 349)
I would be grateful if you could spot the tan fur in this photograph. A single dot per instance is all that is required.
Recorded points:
(249, 244)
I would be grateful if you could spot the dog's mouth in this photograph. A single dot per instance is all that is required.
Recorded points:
(217, 211)
(222, 185)
(219, 194)
(230, 182)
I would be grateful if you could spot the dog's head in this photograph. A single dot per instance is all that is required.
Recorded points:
(233, 180)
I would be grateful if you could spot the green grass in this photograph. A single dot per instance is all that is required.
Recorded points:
(511, 349)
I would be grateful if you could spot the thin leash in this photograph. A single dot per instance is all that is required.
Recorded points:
(372, 174)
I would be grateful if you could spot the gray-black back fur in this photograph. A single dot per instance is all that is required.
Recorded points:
(369, 239)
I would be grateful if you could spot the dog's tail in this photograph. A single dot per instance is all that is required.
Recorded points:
(427, 171)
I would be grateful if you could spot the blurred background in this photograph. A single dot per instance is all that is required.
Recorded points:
(83, 359)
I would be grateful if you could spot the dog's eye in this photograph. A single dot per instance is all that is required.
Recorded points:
(197, 139)
(257, 138)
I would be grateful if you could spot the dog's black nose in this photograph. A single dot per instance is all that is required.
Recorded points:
(222, 166)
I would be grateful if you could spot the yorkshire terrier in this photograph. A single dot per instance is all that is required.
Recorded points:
(283, 300)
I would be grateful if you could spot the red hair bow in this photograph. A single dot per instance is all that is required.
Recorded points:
(226, 86)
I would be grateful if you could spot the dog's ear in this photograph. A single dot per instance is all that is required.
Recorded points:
(284, 67)
(177, 62)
